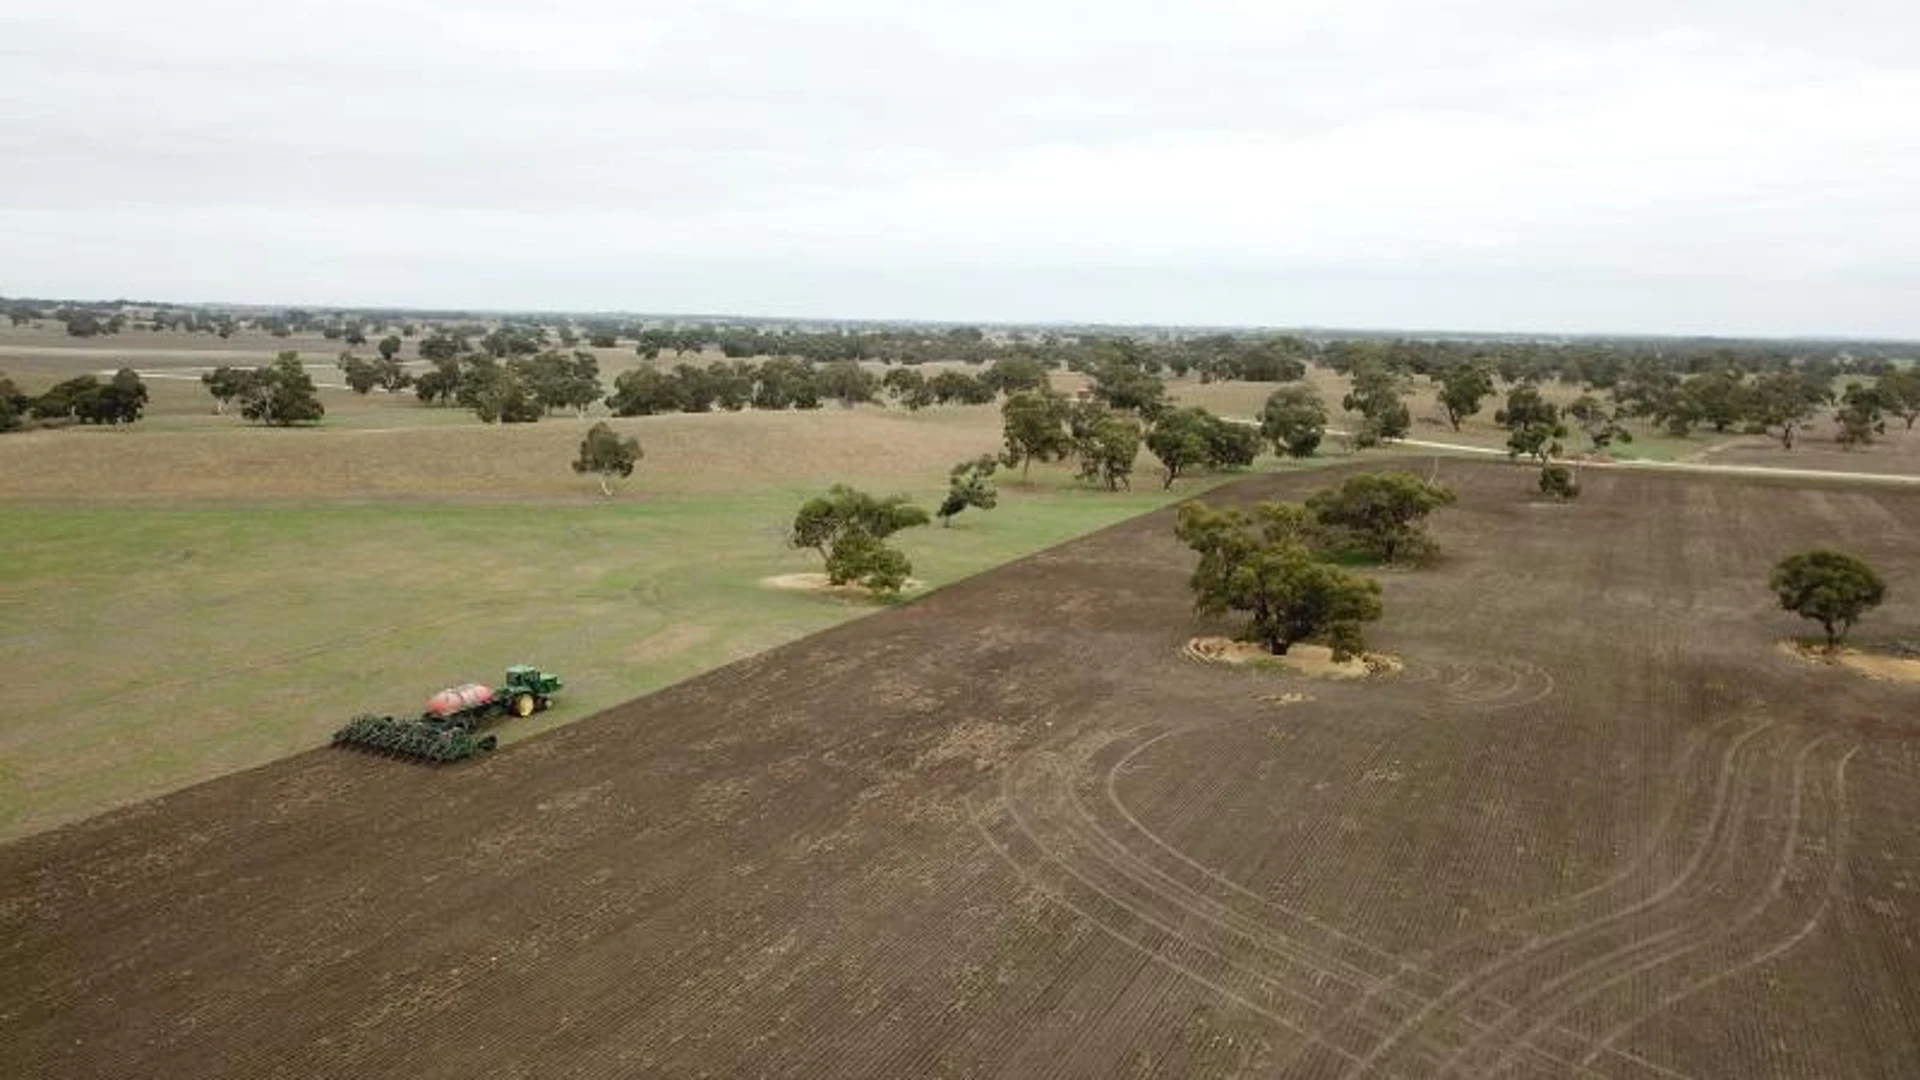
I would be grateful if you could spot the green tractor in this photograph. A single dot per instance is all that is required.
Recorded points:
(448, 729)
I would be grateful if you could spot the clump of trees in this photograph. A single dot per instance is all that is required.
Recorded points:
(1192, 438)
(1463, 387)
(1106, 444)
(1831, 588)
(280, 395)
(1265, 565)
(1273, 563)
(1557, 483)
(1294, 421)
(1380, 514)
(84, 399)
(1034, 425)
(605, 454)
(1533, 424)
(13, 405)
(970, 483)
(849, 528)
(1860, 417)
(1379, 397)
(364, 375)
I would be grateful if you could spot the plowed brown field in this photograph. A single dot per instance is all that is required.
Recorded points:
(1598, 826)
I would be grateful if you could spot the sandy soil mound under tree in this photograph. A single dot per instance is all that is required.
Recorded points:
(1312, 661)
(818, 583)
(1882, 666)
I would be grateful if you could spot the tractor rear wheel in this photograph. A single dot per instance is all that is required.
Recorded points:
(523, 705)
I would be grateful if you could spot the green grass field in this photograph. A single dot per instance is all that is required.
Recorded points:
(168, 645)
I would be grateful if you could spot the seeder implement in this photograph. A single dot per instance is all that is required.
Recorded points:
(447, 730)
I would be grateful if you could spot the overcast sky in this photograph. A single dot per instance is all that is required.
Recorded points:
(1746, 166)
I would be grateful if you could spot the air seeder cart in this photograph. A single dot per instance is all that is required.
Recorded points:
(448, 729)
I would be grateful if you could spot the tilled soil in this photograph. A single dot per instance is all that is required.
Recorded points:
(1598, 826)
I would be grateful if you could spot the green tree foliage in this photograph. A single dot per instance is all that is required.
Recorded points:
(439, 385)
(1462, 389)
(1533, 424)
(644, 391)
(1379, 396)
(443, 345)
(389, 347)
(362, 375)
(1034, 425)
(88, 400)
(970, 483)
(1185, 439)
(785, 383)
(560, 381)
(1179, 440)
(1231, 445)
(860, 557)
(1259, 566)
(849, 528)
(226, 383)
(514, 339)
(1900, 394)
(1860, 417)
(496, 392)
(959, 387)
(1557, 482)
(1829, 587)
(13, 405)
(1720, 398)
(1107, 449)
(1013, 374)
(847, 382)
(822, 520)
(1382, 513)
(908, 387)
(606, 455)
(282, 394)
(1294, 420)
(1601, 423)
(1783, 401)
(1126, 384)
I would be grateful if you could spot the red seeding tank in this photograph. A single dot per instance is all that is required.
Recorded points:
(458, 699)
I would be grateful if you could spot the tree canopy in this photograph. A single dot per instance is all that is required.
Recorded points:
(1832, 588)
(1379, 396)
(1258, 565)
(605, 454)
(281, 394)
(1383, 513)
(1107, 447)
(1462, 388)
(1533, 424)
(849, 528)
(970, 483)
(1033, 424)
(1294, 420)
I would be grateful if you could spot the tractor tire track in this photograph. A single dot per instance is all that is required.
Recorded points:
(1554, 998)
(1194, 919)
(1523, 949)
(1835, 890)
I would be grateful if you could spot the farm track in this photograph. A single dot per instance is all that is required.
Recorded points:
(1595, 827)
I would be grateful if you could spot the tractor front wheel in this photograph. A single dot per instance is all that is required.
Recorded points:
(523, 705)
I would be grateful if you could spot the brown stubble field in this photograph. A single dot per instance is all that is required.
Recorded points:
(1598, 826)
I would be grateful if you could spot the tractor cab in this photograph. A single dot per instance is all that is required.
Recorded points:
(525, 678)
